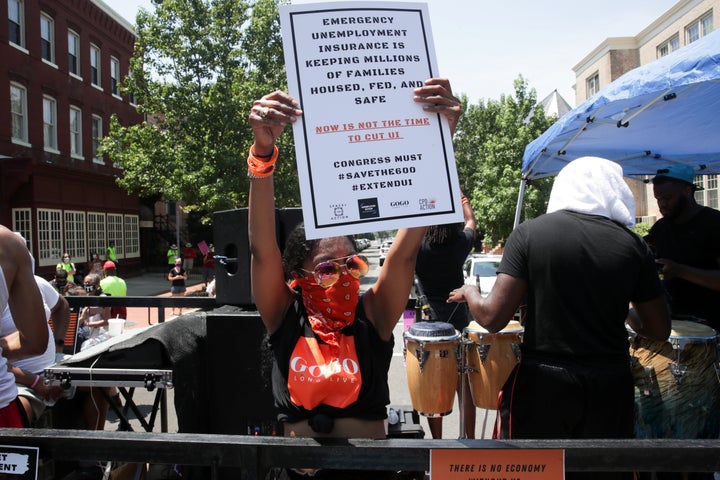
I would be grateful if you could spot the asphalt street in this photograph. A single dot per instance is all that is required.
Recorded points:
(153, 284)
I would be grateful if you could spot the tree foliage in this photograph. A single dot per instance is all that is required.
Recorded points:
(199, 64)
(489, 144)
(197, 67)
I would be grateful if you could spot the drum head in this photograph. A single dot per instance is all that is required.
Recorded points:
(431, 331)
(687, 329)
(513, 326)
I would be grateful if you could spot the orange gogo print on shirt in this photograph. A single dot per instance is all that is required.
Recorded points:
(321, 373)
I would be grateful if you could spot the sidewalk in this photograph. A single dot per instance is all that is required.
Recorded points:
(155, 284)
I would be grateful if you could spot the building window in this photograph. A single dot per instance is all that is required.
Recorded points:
(16, 22)
(132, 236)
(95, 66)
(50, 248)
(708, 196)
(699, 28)
(47, 38)
(97, 134)
(96, 233)
(668, 46)
(73, 53)
(75, 236)
(115, 233)
(22, 223)
(75, 132)
(115, 76)
(592, 85)
(50, 124)
(18, 113)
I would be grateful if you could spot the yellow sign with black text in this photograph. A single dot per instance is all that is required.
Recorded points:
(501, 464)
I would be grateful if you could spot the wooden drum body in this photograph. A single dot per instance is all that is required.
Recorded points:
(677, 383)
(490, 359)
(431, 359)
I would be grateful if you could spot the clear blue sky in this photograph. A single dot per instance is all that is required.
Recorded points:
(483, 45)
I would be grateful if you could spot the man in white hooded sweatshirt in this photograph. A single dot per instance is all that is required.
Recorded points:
(579, 268)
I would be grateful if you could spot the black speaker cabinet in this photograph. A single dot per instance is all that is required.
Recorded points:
(232, 276)
(239, 374)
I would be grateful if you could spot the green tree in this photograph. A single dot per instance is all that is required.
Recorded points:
(489, 144)
(197, 67)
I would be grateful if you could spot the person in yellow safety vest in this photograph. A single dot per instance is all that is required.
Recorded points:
(172, 254)
(68, 266)
(114, 286)
(110, 253)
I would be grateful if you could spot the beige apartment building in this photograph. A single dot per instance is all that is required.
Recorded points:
(685, 22)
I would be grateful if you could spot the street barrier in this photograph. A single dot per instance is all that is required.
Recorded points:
(253, 456)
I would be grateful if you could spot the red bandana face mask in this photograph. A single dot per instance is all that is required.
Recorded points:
(330, 309)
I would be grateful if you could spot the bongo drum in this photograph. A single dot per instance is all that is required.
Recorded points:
(431, 359)
(677, 383)
(490, 359)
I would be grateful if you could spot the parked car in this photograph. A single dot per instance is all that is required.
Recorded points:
(481, 269)
(361, 243)
(383, 251)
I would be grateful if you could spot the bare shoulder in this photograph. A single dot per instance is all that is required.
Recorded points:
(11, 249)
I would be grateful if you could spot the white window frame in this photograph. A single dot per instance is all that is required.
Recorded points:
(75, 235)
(709, 194)
(668, 46)
(17, 16)
(74, 53)
(50, 235)
(115, 77)
(699, 28)
(132, 236)
(76, 144)
(97, 135)
(96, 233)
(50, 139)
(22, 223)
(115, 233)
(47, 36)
(592, 85)
(95, 66)
(19, 114)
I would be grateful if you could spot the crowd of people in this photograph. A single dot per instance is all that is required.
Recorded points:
(584, 278)
(29, 389)
(35, 322)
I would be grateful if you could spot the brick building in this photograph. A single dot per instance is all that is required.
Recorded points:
(685, 22)
(63, 62)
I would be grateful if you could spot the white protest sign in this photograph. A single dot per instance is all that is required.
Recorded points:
(19, 462)
(369, 158)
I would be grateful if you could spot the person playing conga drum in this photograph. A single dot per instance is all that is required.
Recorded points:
(320, 322)
(686, 242)
(579, 267)
(438, 269)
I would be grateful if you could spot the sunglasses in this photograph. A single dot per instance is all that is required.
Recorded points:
(328, 272)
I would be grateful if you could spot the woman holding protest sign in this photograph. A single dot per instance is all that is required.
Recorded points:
(320, 316)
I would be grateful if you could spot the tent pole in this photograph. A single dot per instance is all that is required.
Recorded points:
(518, 208)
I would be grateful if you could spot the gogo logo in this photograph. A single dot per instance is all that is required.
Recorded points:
(400, 204)
(347, 365)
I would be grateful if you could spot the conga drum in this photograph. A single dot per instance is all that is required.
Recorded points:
(677, 383)
(490, 358)
(431, 359)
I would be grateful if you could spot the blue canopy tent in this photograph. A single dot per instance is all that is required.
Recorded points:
(659, 114)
